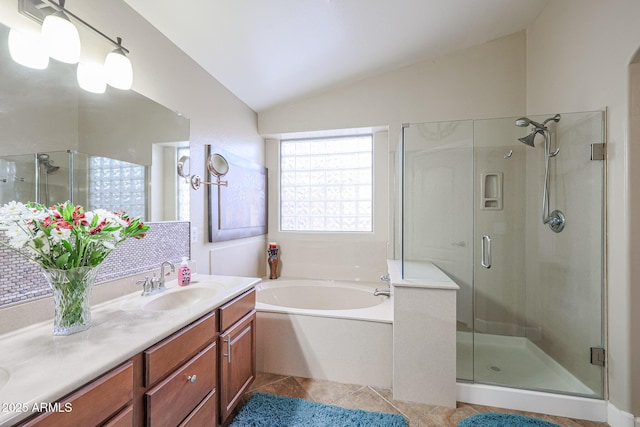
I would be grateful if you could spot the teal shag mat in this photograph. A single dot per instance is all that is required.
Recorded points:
(492, 419)
(269, 410)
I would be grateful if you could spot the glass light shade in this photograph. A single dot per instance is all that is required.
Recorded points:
(91, 78)
(28, 49)
(118, 69)
(61, 38)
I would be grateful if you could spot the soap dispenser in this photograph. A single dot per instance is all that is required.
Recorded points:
(184, 273)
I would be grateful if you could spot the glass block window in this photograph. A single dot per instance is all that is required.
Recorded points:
(326, 184)
(117, 185)
(183, 189)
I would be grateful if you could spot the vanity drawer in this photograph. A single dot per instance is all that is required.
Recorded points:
(174, 398)
(170, 353)
(205, 414)
(94, 403)
(236, 309)
(123, 419)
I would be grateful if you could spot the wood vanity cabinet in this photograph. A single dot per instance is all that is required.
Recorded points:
(105, 401)
(194, 378)
(180, 377)
(237, 343)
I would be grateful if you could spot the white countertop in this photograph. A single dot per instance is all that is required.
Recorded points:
(37, 367)
(430, 276)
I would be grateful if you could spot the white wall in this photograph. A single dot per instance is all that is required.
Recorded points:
(480, 82)
(578, 56)
(574, 57)
(166, 75)
(484, 81)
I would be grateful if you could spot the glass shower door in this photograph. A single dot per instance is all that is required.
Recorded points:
(438, 215)
(530, 305)
(537, 292)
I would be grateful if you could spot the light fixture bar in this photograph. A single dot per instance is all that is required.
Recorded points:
(39, 9)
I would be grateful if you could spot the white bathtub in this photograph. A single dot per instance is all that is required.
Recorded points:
(333, 330)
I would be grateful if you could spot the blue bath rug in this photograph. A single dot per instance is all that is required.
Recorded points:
(269, 410)
(492, 419)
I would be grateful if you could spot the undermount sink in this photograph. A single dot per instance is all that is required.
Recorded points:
(172, 299)
(178, 299)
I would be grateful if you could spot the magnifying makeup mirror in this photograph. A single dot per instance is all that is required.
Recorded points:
(218, 165)
(183, 166)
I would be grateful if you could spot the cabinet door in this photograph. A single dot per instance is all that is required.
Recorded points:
(238, 363)
(92, 404)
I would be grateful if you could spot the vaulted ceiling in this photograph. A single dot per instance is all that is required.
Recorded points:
(268, 52)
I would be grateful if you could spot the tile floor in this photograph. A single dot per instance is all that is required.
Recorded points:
(378, 399)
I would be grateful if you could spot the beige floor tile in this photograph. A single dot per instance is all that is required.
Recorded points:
(288, 387)
(367, 400)
(326, 391)
(381, 400)
(263, 379)
(446, 417)
(411, 410)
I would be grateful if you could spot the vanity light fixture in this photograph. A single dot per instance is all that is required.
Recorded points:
(63, 41)
(91, 77)
(118, 68)
(61, 36)
(27, 49)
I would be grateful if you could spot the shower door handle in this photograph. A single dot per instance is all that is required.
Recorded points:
(486, 251)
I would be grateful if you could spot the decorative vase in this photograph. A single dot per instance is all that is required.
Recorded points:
(272, 253)
(71, 297)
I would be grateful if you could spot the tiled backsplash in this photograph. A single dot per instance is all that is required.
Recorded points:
(21, 280)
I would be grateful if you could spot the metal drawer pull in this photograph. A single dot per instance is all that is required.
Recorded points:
(191, 378)
(228, 355)
(486, 256)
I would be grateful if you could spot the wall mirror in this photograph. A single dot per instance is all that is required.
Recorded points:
(116, 150)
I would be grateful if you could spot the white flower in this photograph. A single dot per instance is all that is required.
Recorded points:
(108, 244)
(59, 234)
(12, 211)
(18, 236)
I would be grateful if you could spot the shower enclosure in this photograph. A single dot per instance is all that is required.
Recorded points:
(530, 307)
(91, 181)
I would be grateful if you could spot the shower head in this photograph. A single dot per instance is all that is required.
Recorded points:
(538, 128)
(49, 167)
(523, 122)
(529, 139)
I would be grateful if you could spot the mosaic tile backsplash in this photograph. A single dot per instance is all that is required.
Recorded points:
(21, 280)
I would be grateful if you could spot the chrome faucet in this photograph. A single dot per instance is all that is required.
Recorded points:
(147, 284)
(160, 280)
(154, 284)
(386, 292)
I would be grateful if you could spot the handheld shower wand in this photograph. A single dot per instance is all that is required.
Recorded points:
(555, 219)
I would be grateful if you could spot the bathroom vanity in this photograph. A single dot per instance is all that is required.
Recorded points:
(146, 361)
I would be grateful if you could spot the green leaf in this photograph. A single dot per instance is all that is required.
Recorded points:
(62, 260)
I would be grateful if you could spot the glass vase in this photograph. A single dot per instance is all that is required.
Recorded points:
(71, 298)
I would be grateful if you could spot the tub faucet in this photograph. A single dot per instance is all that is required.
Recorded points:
(386, 292)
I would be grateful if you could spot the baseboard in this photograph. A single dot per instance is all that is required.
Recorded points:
(618, 418)
(533, 401)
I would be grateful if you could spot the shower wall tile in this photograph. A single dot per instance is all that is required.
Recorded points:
(22, 281)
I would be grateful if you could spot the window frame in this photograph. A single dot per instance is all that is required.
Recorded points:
(372, 172)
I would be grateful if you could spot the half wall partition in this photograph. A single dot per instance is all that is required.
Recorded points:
(530, 306)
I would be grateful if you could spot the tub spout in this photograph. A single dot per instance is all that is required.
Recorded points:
(385, 292)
